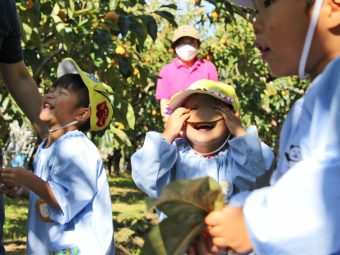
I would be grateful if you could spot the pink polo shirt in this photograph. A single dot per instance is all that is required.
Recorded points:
(175, 77)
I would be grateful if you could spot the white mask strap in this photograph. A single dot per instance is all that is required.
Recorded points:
(309, 38)
(67, 125)
(215, 151)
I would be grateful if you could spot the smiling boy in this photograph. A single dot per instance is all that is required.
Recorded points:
(70, 208)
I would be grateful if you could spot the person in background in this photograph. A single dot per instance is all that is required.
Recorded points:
(185, 69)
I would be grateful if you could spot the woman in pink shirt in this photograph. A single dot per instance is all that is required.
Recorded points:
(185, 69)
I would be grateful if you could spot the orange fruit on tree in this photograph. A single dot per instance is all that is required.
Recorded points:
(120, 50)
(135, 71)
(112, 16)
(153, 112)
(113, 62)
(29, 5)
(223, 41)
(215, 15)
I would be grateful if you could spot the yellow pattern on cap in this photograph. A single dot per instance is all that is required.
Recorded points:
(221, 91)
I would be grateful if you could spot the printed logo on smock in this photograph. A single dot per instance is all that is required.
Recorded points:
(293, 155)
(226, 190)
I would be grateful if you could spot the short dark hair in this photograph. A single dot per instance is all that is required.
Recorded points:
(75, 83)
(309, 4)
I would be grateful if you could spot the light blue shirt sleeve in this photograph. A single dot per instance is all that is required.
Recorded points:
(73, 179)
(300, 213)
(152, 164)
(251, 162)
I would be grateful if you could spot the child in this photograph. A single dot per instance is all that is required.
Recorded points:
(300, 212)
(213, 143)
(70, 206)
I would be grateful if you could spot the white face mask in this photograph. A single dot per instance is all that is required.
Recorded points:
(186, 52)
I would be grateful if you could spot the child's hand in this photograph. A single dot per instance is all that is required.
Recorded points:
(203, 246)
(175, 123)
(13, 177)
(12, 192)
(232, 121)
(228, 230)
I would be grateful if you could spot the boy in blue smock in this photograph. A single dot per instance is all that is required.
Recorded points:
(212, 143)
(300, 212)
(70, 206)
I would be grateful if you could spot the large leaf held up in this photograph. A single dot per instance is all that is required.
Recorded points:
(186, 203)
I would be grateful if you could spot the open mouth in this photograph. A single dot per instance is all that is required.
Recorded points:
(263, 49)
(202, 125)
(48, 106)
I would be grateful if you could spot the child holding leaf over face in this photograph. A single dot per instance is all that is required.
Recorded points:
(212, 143)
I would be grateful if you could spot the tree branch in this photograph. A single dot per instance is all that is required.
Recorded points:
(47, 59)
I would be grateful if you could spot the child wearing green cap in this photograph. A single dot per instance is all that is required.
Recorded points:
(212, 143)
(70, 206)
(300, 212)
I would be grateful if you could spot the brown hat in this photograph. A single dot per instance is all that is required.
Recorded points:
(183, 31)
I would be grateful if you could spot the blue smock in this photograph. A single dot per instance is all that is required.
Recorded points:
(238, 166)
(74, 171)
(300, 213)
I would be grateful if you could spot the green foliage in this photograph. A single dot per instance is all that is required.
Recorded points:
(186, 203)
(126, 43)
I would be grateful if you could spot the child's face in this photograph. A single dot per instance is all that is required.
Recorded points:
(280, 29)
(206, 128)
(59, 107)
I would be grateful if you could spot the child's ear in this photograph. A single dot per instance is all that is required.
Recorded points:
(83, 114)
(334, 13)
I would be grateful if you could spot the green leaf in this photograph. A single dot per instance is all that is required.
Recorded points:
(130, 116)
(28, 31)
(151, 25)
(186, 203)
(168, 16)
(163, 238)
(55, 9)
(121, 135)
(125, 66)
(171, 6)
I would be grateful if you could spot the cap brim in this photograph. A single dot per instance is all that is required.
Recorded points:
(244, 3)
(178, 99)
